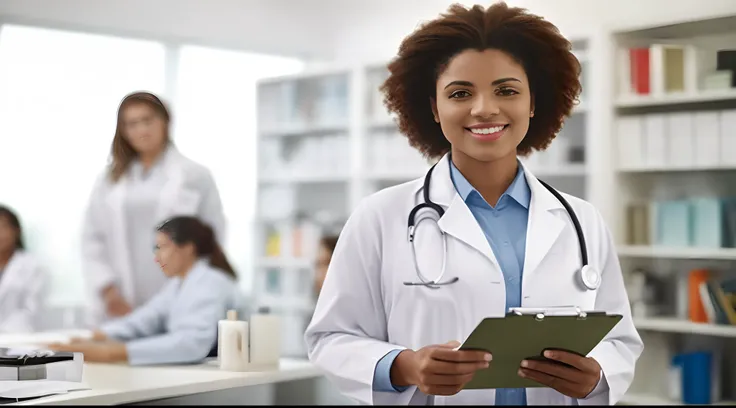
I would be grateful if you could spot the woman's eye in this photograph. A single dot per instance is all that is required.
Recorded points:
(460, 94)
(507, 91)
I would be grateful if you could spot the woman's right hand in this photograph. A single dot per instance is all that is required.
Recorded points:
(438, 369)
(95, 336)
(115, 303)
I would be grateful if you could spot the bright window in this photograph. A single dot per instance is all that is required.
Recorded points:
(215, 124)
(59, 93)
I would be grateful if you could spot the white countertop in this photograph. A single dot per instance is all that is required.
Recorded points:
(122, 384)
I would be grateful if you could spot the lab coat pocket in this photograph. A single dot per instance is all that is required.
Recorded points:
(558, 282)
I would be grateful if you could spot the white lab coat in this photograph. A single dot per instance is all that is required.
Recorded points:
(364, 310)
(189, 190)
(179, 324)
(22, 286)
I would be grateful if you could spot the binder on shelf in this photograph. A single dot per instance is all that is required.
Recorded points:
(535, 330)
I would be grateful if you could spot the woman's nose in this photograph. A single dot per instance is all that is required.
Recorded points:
(485, 107)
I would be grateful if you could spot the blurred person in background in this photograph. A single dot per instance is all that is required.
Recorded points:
(326, 248)
(147, 180)
(179, 324)
(22, 281)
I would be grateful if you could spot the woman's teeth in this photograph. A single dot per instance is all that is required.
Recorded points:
(487, 131)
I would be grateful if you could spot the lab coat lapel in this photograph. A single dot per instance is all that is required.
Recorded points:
(116, 201)
(543, 228)
(457, 221)
(174, 181)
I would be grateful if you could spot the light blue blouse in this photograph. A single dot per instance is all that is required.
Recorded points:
(179, 324)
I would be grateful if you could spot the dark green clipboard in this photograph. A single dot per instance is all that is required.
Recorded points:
(514, 338)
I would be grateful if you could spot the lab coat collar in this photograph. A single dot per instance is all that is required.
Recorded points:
(443, 191)
(518, 190)
(543, 227)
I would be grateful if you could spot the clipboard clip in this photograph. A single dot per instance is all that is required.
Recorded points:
(541, 312)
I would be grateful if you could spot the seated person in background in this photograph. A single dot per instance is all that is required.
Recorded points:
(179, 324)
(22, 282)
(326, 248)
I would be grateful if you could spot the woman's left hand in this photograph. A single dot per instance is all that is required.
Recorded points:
(95, 352)
(577, 380)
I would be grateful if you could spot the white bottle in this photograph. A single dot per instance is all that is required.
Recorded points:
(265, 340)
(233, 343)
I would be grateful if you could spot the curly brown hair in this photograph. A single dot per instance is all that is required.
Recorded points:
(545, 55)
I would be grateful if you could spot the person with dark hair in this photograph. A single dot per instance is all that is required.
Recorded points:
(22, 280)
(147, 180)
(179, 324)
(326, 248)
(420, 265)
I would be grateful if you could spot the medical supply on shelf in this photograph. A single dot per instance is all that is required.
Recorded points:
(677, 140)
(702, 222)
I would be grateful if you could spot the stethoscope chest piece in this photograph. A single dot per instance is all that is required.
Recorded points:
(590, 277)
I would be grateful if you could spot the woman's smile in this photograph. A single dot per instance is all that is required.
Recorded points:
(487, 132)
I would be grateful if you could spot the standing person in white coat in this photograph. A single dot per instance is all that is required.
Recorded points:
(147, 181)
(179, 324)
(22, 281)
(474, 88)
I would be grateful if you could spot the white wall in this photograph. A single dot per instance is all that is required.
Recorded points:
(283, 27)
(373, 30)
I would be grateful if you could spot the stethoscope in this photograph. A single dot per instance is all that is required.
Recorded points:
(588, 276)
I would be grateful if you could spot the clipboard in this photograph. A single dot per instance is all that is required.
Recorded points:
(525, 333)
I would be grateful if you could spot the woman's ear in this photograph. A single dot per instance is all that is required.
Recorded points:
(436, 115)
(531, 114)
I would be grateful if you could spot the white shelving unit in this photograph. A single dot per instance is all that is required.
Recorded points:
(355, 150)
(649, 164)
(325, 142)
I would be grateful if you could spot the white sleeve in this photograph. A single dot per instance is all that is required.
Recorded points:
(95, 257)
(618, 351)
(348, 335)
(185, 341)
(147, 320)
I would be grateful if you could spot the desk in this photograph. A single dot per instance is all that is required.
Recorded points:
(193, 384)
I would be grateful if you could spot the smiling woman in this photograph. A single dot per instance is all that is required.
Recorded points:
(475, 88)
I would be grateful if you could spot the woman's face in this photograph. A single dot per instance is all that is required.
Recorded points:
(173, 259)
(483, 104)
(144, 128)
(8, 235)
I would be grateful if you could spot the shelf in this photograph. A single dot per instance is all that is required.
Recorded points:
(335, 177)
(280, 303)
(676, 99)
(643, 251)
(396, 175)
(650, 399)
(303, 130)
(285, 262)
(674, 325)
(676, 169)
(569, 170)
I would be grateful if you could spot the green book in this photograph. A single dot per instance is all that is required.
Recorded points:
(514, 338)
